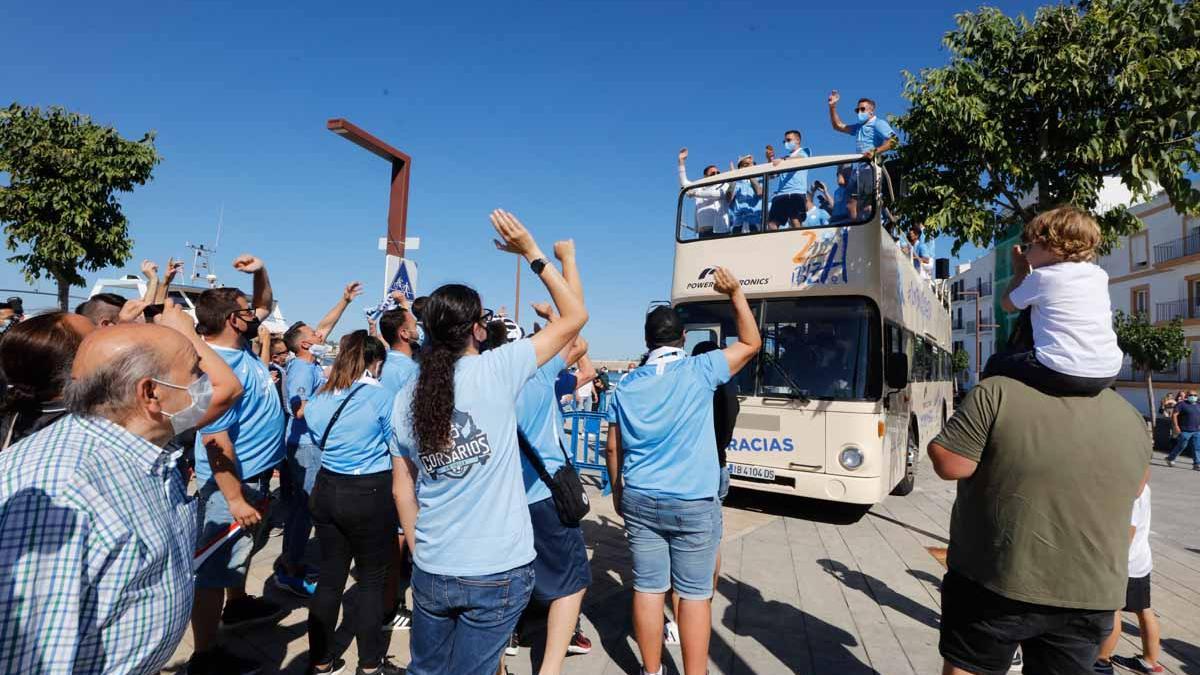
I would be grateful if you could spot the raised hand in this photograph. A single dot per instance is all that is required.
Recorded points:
(683, 155)
(352, 291)
(174, 267)
(564, 249)
(247, 263)
(544, 310)
(1019, 263)
(834, 97)
(149, 269)
(400, 298)
(724, 282)
(264, 333)
(132, 310)
(175, 318)
(514, 238)
(770, 153)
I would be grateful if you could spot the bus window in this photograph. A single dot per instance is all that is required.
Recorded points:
(821, 348)
(816, 197)
(714, 321)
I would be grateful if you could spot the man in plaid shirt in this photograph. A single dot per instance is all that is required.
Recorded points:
(97, 530)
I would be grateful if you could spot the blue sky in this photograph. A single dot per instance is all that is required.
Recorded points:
(567, 114)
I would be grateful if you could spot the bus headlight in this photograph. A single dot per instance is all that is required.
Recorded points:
(850, 458)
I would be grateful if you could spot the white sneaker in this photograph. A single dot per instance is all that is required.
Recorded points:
(670, 633)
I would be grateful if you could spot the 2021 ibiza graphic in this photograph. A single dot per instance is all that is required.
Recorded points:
(469, 447)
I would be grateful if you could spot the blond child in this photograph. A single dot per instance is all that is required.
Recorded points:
(1075, 349)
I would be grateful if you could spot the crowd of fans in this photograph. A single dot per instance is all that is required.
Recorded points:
(141, 447)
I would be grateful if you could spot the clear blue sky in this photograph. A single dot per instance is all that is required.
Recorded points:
(567, 114)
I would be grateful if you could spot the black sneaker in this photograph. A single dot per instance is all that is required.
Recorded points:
(220, 662)
(401, 620)
(1102, 667)
(250, 611)
(384, 668)
(337, 667)
(514, 645)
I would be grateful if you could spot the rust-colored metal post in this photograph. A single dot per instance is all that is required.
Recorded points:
(397, 220)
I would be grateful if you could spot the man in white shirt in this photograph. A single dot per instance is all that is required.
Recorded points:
(584, 396)
(712, 202)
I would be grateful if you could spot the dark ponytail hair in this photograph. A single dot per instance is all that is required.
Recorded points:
(449, 317)
(357, 352)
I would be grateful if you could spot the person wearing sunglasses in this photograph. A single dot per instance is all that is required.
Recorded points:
(873, 136)
(456, 438)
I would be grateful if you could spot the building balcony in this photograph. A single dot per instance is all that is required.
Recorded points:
(956, 324)
(970, 326)
(1177, 248)
(985, 289)
(1176, 309)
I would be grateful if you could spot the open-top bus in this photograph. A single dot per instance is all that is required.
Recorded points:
(854, 373)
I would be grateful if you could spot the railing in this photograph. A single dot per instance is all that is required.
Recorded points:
(1177, 248)
(984, 288)
(1183, 372)
(957, 324)
(1176, 309)
(970, 326)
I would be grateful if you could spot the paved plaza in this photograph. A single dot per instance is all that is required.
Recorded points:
(806, 587)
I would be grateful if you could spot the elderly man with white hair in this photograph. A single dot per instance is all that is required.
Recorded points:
(98, 532)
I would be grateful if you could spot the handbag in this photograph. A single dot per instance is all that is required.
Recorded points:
(566, 489)
(336, 414)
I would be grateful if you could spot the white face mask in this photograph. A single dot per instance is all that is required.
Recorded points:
(318, 350)
(201, 393)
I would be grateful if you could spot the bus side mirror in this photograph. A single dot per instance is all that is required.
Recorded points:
(895, 372)
(942, 268)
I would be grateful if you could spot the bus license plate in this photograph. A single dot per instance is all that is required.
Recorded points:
(759, 472)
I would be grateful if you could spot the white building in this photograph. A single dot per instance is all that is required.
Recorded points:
(972, 283)
(1157, 272)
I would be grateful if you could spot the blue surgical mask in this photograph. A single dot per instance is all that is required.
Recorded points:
(1192, 399)
(790, 146)
(864, 116)
(201, 393)
(319, 350)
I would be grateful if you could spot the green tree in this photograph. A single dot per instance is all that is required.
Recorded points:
(1028, 114)
(961, 361)
(1150, 347)
(59, 210)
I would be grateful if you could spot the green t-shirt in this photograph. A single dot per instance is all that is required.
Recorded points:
(1045, 517)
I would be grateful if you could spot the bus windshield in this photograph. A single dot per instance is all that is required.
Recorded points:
(780, 200)
(826, 348)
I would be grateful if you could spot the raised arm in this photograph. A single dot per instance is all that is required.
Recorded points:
(834, 120)
(514, 238)
(1020, 268)
(264, 298)
(264, 344)
(150, 271)
(325, 326)
(683, 179)
(174, 267)
(227, 389)
(749, 341)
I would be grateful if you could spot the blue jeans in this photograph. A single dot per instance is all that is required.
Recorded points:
(674, 543)
(461, 624)
(228, 565)
(303, 463)
(1186, 440)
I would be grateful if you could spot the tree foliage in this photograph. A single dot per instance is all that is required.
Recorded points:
(1028, 114)
(1150, 347)
(960, 361)
(59, 209)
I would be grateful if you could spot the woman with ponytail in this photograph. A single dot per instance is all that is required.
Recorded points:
(349, 418)
(36, 357)
(456, 447)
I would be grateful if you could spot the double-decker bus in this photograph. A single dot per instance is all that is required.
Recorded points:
(854, 374)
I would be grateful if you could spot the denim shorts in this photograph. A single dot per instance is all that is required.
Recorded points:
(462, 624)
(674, 543)
(561, 567)
(723, 488)
(227, 566)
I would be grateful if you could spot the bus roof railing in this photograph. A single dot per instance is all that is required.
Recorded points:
(763, 169)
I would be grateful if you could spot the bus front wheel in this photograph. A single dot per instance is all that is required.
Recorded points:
(912, 447)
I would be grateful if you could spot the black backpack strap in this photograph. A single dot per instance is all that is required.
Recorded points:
(336, 414)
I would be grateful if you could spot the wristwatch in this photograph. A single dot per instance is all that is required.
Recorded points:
(538, 265)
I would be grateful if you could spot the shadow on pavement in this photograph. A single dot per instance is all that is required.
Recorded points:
(1187, 653)
(789, 506)
(881, 593)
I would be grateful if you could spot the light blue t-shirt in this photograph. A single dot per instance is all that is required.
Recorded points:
(398, 370)
(793, 182)
(816, 217)
(254, 423)
(540, 418)
(303, 379)
(841, 203)
(359, 442)
(923, 250)
(870, 134)
(747, 204)
(473, 518)
(666, 422)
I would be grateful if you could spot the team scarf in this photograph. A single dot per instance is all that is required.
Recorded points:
(659, 358)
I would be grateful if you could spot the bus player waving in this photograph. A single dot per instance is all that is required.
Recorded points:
(661, 459)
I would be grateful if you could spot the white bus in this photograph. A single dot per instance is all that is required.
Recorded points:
(854, 374)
